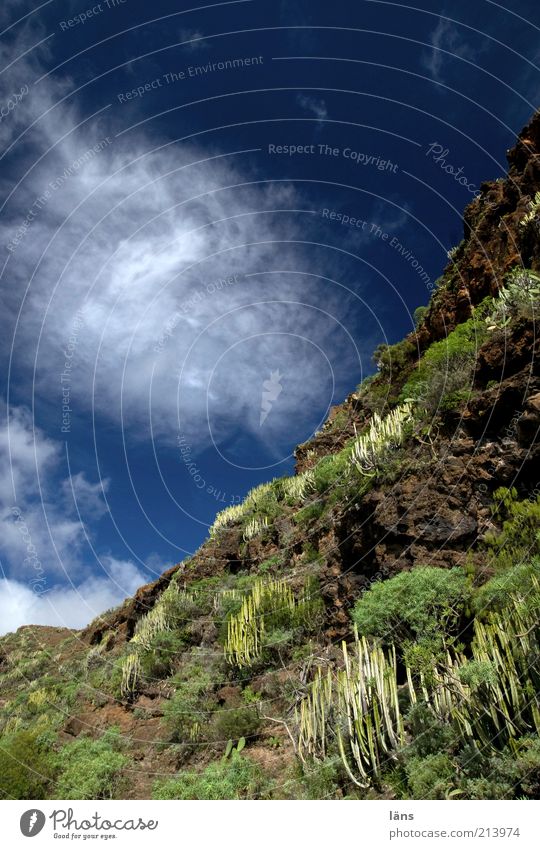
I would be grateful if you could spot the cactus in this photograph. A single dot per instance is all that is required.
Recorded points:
(361, 704)
(163, 617)
(299, 486)
(533, 209)
(255, 527)
(358, 707)
(371, 448)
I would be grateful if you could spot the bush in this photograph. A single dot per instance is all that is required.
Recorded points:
(159, 660)
(25, 766)
(235, 723)
(444, 373)
(420, 604)
(235, 778)
(519, 539)
(431, 777)
(331, 470)
(91, 769)
(429, 734)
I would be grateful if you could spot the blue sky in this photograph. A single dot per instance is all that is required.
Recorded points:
(208, 213)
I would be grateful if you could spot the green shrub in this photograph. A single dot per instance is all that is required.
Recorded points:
(519, 539)
(160, 659)
(419, 604)
(25, 766)
(91, 769)
(391, 360)
(331, 470)
(429, 734)
(445, 371)
(186, 713)
(234, 778)
(310, 513)
(233, 723)
(419, 315)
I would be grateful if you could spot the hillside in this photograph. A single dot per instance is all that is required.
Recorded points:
(414, 516)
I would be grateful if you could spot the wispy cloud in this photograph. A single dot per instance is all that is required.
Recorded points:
(135, 235)
(315, 105)
(446, 38)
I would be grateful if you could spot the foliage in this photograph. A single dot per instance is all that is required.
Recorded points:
(392, 359)
(519, 297)
(430, 777)
(234, 723)
(411, 605)
(331, 470)
(270, 605)
(372, 448)
(91, 769)
(187, 712)
(519, 539)
(446, 367)
(486, 700)
(532, 211)
(234, 778)
(419, 315)
(369, 724)
(150, 649)
(25, 766)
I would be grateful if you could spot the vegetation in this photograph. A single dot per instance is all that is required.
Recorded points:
(91, 769)
(234, 778)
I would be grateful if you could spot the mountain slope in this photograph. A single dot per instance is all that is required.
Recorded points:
(414, 514)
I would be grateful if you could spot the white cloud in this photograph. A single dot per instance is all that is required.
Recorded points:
(446, 38)
(136, 237)
(68, 607)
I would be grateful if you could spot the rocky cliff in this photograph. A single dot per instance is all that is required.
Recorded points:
(203, 675)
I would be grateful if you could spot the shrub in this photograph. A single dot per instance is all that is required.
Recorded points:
(417, 604)
(25, 766)
(497, 593)
(234, 778)
(159, 660)
(519, 539)
(310, 513)
(331, 470)
(394, 358)
(235, 723)
(91, 769)
(419, 315)
(429, 734)
(445, 370)
(432, 777)
(187, 712)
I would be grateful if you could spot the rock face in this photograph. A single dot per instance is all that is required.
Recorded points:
(436, 509)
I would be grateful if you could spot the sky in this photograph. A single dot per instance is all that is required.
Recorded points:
(211, 215)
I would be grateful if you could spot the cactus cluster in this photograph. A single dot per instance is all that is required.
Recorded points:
(246, 629)
(298, 487)
(254, 527)
(163, 617)
(357, 708)
(372, 448)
